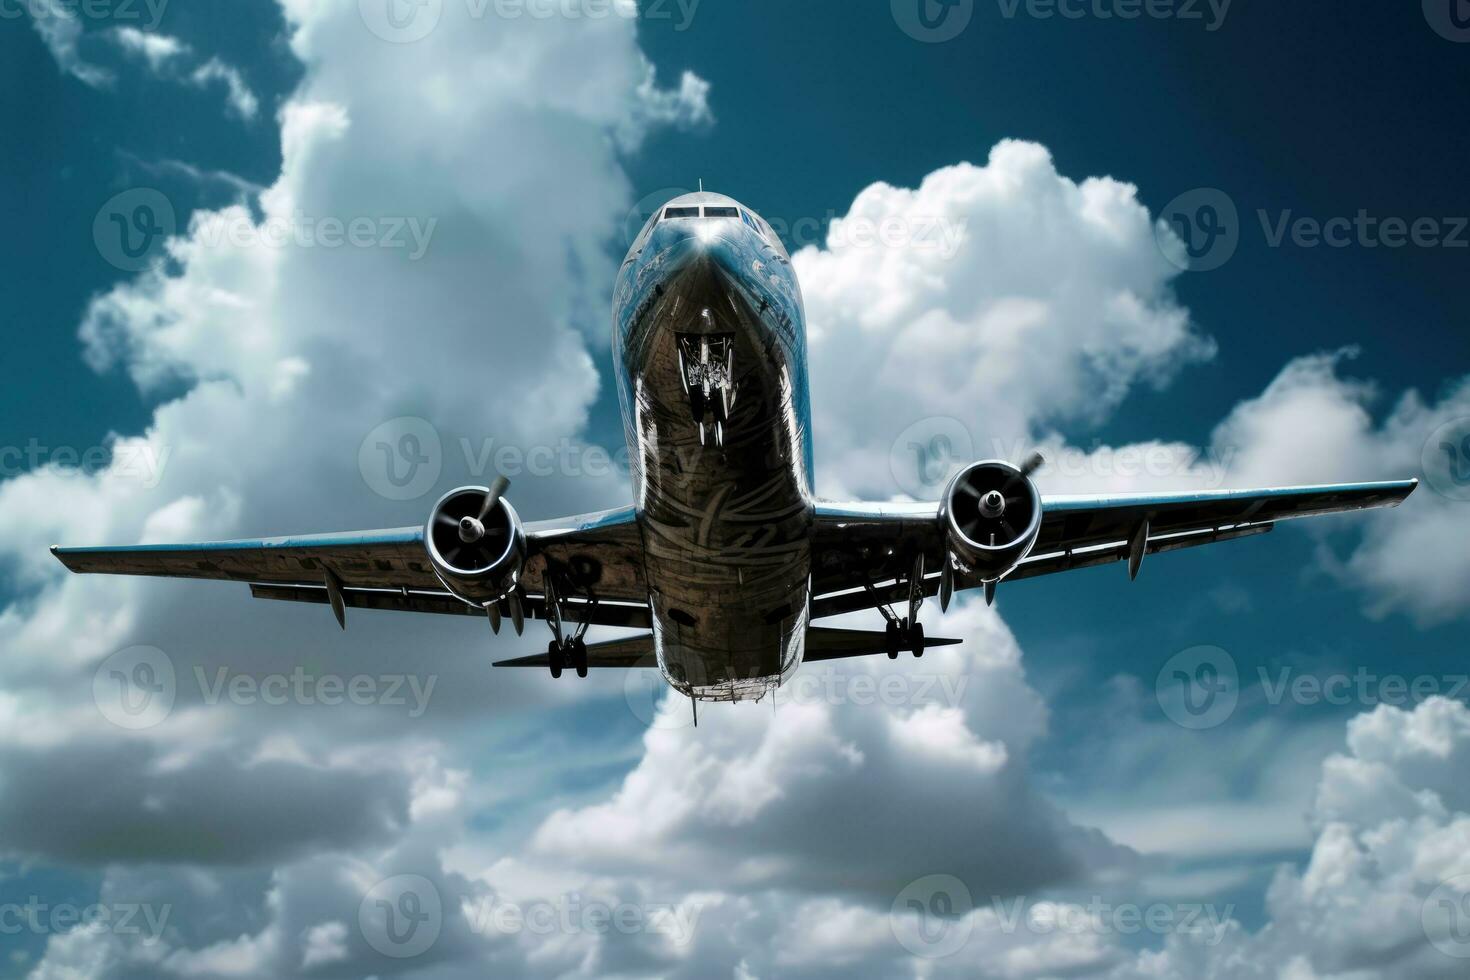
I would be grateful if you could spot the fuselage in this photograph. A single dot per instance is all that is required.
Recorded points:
(709, 348)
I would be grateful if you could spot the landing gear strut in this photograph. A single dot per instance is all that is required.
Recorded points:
(905, 633)
(565, 651)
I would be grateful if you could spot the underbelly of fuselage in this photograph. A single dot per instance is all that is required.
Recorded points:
(725, 515)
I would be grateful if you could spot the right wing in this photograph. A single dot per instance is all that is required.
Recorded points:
(1077, 531)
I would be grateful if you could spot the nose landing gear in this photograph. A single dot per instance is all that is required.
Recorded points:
(707, 372)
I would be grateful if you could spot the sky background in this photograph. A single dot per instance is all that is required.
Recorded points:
(1059, 150)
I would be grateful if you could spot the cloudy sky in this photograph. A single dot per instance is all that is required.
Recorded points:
(292, 266)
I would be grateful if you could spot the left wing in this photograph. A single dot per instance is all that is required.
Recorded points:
(857, 545)
(390, 569)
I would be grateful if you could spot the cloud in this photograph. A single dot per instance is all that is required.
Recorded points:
(154, 48)
(61, 30)
(808, 787)
(1313, 425)
(1387, 872)
(1020, 296)
(241, 99)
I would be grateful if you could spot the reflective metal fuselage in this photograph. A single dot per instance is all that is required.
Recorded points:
(725, 517)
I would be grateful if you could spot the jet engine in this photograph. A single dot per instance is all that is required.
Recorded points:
(476, 543)
(991, 515)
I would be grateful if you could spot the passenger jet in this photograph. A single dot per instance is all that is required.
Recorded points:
(725, 559)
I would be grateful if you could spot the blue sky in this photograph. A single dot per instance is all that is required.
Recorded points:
(1284, 111)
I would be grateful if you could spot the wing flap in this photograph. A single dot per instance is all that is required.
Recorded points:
(442, 603)
(854, 601)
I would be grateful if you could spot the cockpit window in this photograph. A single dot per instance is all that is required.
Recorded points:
(722, 212)
(681, 212)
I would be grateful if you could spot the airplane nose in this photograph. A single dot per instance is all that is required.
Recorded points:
(695, 249)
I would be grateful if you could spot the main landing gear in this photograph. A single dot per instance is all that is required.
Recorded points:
(565, 651)
(906, 633)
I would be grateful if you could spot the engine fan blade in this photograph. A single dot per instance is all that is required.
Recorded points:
(1033, 463)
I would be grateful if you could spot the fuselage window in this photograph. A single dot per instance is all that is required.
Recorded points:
(681, 212)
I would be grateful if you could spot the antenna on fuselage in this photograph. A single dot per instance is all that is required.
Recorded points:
(701, 185)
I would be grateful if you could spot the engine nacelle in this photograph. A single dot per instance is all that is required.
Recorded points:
(991, 515)
(479, 561)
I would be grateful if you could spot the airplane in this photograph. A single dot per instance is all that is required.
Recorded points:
(725, 560)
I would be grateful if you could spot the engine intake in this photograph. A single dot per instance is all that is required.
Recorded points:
(991, 515)
(479, 559)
